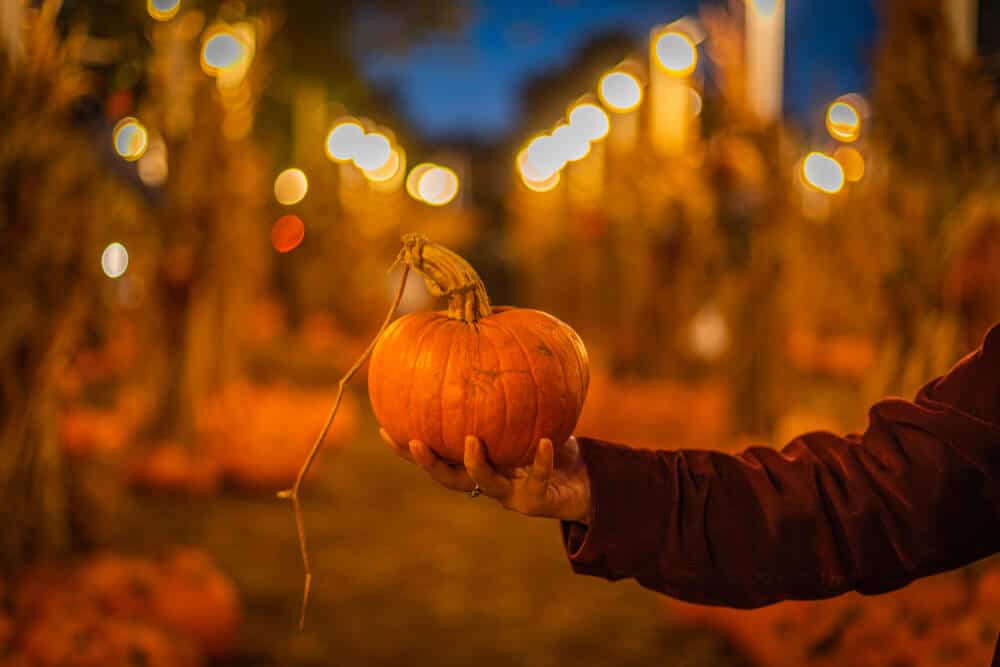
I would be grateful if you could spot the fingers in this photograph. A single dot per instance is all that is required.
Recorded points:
(568, 453)
(482, 473)
(453, 478)
(400, 450)
(541, 467)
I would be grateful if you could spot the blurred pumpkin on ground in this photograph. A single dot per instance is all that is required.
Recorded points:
(198, 601)
(260, 434)
(113, 610)
(86, 430)
(173, 468)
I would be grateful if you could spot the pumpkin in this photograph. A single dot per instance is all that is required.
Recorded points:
(173, 468)
(120, 585)
(85, 431)
(258, 434)
(196, 600)
(509, 376)
(134, 642)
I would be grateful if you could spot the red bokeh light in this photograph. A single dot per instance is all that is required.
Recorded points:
(287, 233)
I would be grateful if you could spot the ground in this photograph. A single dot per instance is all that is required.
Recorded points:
(408, 573)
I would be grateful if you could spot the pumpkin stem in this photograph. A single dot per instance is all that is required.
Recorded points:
(292, 494)
(447, 274)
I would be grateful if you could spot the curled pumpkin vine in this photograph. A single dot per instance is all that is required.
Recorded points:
(444, 278)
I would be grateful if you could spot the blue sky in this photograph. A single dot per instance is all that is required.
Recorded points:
(468, 83)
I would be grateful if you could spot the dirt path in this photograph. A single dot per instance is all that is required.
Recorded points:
(407, 573)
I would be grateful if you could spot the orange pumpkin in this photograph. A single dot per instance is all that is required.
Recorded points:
(510, 376)
(121, 585)
(173, 468)
(195, 599)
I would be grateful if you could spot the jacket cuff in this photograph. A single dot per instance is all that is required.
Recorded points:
(630, 496)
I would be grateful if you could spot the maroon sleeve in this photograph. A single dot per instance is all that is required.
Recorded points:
(916, 494)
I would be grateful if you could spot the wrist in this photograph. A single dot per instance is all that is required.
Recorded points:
(584, 513)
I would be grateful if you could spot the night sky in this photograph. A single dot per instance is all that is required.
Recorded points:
(468, 84)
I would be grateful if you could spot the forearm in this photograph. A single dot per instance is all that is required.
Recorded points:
(916, 494)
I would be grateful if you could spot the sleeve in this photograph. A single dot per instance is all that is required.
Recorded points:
(916, 494)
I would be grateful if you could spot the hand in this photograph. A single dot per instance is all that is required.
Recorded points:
(554, 485)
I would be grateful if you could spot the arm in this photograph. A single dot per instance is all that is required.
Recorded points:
(916, 494)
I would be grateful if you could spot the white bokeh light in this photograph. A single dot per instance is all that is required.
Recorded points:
(114, 260)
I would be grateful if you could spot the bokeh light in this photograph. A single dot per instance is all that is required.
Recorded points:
(822, 172)
(570, 144)
(372, 151)
(114, 260)
(343, 140)
(438, 186)
(287, 233)
(852, 161)
(676, 53)
(387, 170)
(222, 50)
(543, 185)
(290, 186)
(695, 103)
(163, 10)
(765, 7)
(413, 179)
(152, 167)
(415, 297)
(542, 158)
(620, 91)
(709, 335)
(843, 121)
(130, 139)
(526, 170)
(590, 120)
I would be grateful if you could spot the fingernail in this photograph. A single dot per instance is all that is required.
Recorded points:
(417, 449)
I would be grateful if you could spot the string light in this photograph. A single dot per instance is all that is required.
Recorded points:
(287, 233)
(590, 120)
(343, 140)
(130, 139)
(570, 144)
(163, 10)
(765, 7)
(114, 260)
(387, 170)
(823, 173)
(152, 167)
(438, 185)
(676, 53)
(852, 161)
(620, 91)
(413, 179)
(843, 121)
(709, 334)
(544, 185)
(290, 186)
(696, 102)
(222, 50)
(542, 158)
(372, 151)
